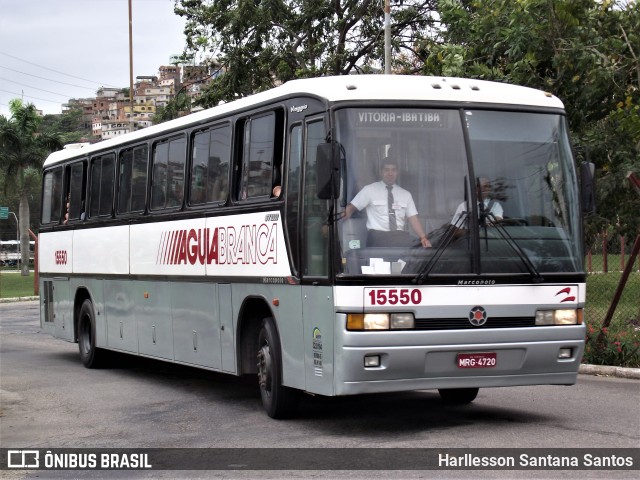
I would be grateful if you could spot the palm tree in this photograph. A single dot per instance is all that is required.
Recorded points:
(22, 151)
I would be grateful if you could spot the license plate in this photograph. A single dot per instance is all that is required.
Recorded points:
(477, 360)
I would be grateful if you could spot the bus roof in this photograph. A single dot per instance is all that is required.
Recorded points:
(348, 88)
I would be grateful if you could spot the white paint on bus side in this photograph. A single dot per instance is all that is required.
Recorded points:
(239, 245)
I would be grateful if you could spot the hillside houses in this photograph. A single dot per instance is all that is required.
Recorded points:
(110, 113)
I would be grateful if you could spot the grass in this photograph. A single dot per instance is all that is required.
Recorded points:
(601, 289)
(614, 262)
(621, 339)
(12, 284)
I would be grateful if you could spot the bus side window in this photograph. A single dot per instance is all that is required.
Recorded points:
(159, 178)
(219, 157)
(76, 198)
(52, 196)
(210, 166)
(139, 178)
(199, 168)
(316, 244)
(167, 184)
(261, 154)
(124, 181)
(293, 190)
(102, 176)
(132, 180)
(175, 179)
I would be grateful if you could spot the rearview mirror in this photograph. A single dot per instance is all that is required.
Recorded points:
(328, 170)
(588, 187)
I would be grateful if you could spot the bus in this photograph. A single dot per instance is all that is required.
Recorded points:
(221, 240)
(10, 252)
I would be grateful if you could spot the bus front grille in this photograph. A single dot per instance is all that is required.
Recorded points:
(464, 324)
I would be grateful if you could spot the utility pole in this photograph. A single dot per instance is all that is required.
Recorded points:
(131, 122)
(387, 37)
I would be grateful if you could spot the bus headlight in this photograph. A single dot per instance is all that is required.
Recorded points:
(402, 321)
(376, 321)
(559, 317)
(380, 321)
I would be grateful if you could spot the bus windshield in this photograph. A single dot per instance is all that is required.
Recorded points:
(493, 192)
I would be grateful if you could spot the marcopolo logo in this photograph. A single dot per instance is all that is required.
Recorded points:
(478, 316)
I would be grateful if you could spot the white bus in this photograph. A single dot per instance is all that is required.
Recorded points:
(173, 243)
(10, 252)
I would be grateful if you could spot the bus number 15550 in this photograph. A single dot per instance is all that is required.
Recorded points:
(395, 296)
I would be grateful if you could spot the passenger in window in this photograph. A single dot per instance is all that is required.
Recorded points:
(277, 180)
(390, 209)
(489, 209)
(66, 211)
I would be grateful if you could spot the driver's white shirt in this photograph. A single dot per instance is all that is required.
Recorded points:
(496, 210)
(373, 197)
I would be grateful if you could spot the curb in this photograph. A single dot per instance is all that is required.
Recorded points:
(607, 371)
(18, 299)
(585, 369)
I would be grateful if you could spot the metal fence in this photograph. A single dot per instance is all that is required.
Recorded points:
(608, 260)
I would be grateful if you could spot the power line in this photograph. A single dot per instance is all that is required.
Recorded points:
(29, 96)
(56, 71)
(36, 88)
(48, 79)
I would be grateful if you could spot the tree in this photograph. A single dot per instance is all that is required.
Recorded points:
(584, 51)
(179, 105)
(70, 125)
(261, 43)
(23, 149)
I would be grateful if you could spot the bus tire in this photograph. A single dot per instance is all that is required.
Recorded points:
(458, 396)
(278, 401)
(91, 356)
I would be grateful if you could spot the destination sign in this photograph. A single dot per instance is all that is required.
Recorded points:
(409, 118)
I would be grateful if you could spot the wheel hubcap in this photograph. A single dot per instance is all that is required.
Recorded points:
(85, 336)
(264, 368)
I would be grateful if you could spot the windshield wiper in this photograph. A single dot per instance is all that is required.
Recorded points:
(450, 235)
(447, 239)
(526, 261)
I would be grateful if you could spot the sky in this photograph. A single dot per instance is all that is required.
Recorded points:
(54, 50)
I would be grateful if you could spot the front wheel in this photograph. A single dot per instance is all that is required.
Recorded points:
(278, 401)
(458, 396)
(91, 356)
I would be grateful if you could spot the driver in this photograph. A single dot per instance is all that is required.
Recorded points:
(389, 207)
(489, 205)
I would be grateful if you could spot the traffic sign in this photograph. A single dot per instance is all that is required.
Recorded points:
(4, 213)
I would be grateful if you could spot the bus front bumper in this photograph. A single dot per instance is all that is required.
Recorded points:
(370, 362)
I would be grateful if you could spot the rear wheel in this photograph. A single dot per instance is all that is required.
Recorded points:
(91, 356)
(278, 401)
(458, 396)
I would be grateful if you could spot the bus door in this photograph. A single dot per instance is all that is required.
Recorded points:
(317, 295)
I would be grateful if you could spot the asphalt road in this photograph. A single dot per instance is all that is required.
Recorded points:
(49, 400)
